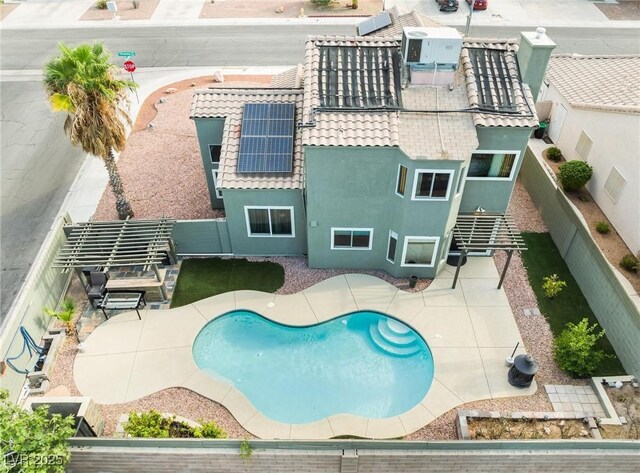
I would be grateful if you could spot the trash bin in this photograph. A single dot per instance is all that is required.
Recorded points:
(413, 280)
(541, 130)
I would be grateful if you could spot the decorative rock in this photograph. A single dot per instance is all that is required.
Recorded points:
(279, 10)
(193, 84)
(218, 76)
(151, 125)
(171, 90)
(546, 430)
(584, 433)
(301, 15)
(162, 100)
(562, 423)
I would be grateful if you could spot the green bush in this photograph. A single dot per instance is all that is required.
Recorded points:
(574, 349)
(602, 227)
(575, 174)
(630, 263)
(209, 430)
(136, 4)
(552, 285)
(322, 3)
(101, 4)
(147, 425)
(554, 154)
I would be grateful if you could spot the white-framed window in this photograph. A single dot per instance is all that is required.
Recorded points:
(266, 221)
(392, 247)
(432, 184)
(420, 251)
(351, 238)
(615, 183)
(218, 192)
(401, 181)
(214, 153)
(460, 185)
(493, 165)
(583, 146)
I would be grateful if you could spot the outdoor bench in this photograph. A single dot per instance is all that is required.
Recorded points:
(121, 300)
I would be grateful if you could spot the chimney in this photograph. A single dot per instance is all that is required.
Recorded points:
(533, 57)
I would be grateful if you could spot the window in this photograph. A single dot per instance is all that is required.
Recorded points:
(402, 181)
(351, 238)
(269, 221)
(214, 153)
(492, 165)
(215, 183)
(391, 247)
(615, 183)
(432, 184)
(460, 181)
(420, 251)
(583, 146)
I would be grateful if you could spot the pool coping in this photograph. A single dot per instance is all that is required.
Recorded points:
(469, 330)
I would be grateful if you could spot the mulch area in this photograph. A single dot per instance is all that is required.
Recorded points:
(290, 9)
(623, 10)
(6, 9)
(126, 11)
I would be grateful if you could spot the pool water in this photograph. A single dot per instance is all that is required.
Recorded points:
(364, 363)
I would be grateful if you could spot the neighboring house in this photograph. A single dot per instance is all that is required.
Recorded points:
(595, 116)
(384, 142)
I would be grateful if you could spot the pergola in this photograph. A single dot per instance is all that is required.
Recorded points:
(484, 231)
(117, 243)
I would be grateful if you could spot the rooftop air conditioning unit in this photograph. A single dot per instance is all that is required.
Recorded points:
(431, 47)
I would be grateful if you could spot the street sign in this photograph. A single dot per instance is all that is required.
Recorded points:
(126, 53)
(129, 66)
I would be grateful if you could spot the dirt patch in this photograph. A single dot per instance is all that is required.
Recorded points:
(126, 11)
(6, 9)
(529, 429)
(623, 10)
(611, 244)
(290, 9)
(626, 402)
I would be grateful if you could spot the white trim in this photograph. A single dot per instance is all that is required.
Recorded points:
(400, 166)
(392, 234)
(217, 191)
(420, 238)
(333, 230)
(269, 207)
(461, 181)
(495, 151)
(446, 246)
(433, 171)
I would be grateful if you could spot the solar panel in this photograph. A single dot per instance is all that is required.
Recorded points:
(266, 141)
(374, 23)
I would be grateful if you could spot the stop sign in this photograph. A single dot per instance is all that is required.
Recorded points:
(129, 66)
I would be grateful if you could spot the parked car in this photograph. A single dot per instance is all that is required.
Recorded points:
(448, 5)
(479, 4)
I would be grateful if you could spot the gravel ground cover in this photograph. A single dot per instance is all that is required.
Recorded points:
(126, 11)
(290, 8)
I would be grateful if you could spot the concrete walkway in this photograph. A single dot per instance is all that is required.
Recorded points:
(470, 331)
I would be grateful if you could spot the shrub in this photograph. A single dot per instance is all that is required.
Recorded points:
(147, 425)
(65, 315)
(101, 4)
(552, 285)
(575, 174)
(322, 3)
(354, 4)
(630, 262)
(209, 430)
(574, 349)
(554, 154)
(136, 4)
(602, 227)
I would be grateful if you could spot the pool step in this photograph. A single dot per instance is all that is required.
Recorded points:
(381, 342)
(396, 332)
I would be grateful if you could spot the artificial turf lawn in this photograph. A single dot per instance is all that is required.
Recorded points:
(206, 277)
(543, 259)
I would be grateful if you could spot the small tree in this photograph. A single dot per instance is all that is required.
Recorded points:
(574, 349)
(552, 285)
(65, 314)
(574, 175)
(33, 442)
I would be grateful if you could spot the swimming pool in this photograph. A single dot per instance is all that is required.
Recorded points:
(364, 363)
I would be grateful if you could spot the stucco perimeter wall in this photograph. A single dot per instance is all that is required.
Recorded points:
(201, 237)
(445, 457)
(612, 299)
(44, 287)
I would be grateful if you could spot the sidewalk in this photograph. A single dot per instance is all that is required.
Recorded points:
(515, 13)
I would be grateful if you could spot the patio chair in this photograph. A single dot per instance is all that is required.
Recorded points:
(97, 286)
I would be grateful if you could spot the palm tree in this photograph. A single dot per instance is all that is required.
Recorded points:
(82, 82)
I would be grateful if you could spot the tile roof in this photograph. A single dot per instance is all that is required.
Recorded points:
(348, 127)
(403, 20)
(290, 79)
(524, 103)
(228, 103)
(609, 83)
(450, 136)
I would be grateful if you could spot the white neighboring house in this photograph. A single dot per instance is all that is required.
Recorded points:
(595, 116)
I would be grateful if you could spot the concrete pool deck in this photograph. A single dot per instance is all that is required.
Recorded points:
(470, 331)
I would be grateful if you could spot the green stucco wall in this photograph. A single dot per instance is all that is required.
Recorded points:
(355, 188)
(236, 199)
(201, 237)
(209, 132)
(491, 194)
